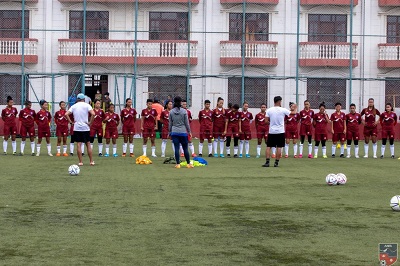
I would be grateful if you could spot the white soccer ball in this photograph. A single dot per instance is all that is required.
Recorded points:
(341, 179)
(395, 203)
(331, 179)
(74, 170)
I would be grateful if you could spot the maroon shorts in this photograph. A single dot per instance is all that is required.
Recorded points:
(128, 130)
(370, 131)
(245, 135)
(111, 133)
(387, 133)
(218, 131)
(353, 135)
(62, 131)
(292, 134)
(205, 134)
(262, 133)
(43, 132)
(10, 130)
(165, 133)
(305, 130)
(233, 130)
(27, 131)
(319, 137)
(148, 133)
(338, 137)
(96, 131)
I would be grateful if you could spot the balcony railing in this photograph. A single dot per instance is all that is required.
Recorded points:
(389, 2)
(123, 51)
(131, 1)
(328, 2)
(250, 1)
(255, 53)
(327, 54)
(11, 50)
(389, 55)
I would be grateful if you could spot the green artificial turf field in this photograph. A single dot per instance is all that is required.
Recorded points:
(231, 212)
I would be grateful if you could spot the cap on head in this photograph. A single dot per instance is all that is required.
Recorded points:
(80, 96)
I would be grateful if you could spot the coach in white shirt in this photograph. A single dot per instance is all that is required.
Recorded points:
(276, 136)
(81, 111)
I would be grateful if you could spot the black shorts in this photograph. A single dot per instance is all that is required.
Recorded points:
(276, 140)
(82, 136)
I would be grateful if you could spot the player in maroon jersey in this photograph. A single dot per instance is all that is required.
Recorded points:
(353, 121)
(388, 120)
(228, 139)
(262, 128)
(219, 127)
(245, 136)
(164, 119)
(306, 121)
(43, 119)
(8, 115)
(62, 128)
(128, 119)
(148, 127)
(232, 127)
(27, 129)
(112, 120)
(191, 146)
(338, 129)
(206, 126)
(370, 130)
(96, 128)
(291, 131)
(320, 122)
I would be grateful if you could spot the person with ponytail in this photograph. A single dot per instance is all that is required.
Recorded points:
(388, 120)
(338, 128)
(233, 129)
(62, 129)
(27, 129)
(306, 117)
(112, 120)
(128, 119)
(353, 121)
(245, 136)
(292, 133)
(164, 119)
(148, 125)
(320, 122)
(43, 120)
(96, 129)
(370, 121)
(8, 115)
(262, 128)
(206, 126)
(219, 114)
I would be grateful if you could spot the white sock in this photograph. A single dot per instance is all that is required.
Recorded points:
(342, 149)
(83, 147)
(5, 145)
(221, 146)
(366, 147)
(64, 148)
(273, 150)
(392, 150)
(180, 149)
(258, 150)
(349, 150)
(215, 146)
(153, 150)
(49, 148)
(191, 147)
(355, 150)
(22, 146)
(310, 148)
(228, 150)
(114, 148)
(91, 146)
(200, 148)
(210, 148)
(163, 146)
(145, 150)
(333, 149)
(301, 149)
(131, 146)
(100, 147)
(287, 149)
(235, 149)
(383, 147)
(173, 148)
(38, 148)
(316, 151)
(323, 150)
(58, 149)
(107, 148)
(374, 148)
(247, 146)
(71, 147)
(14, 146)
(33, 147)
(295, 149)
(241, 142)
(124, 146)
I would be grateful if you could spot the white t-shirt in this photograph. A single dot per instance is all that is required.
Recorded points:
(276, 116)
(81, 110)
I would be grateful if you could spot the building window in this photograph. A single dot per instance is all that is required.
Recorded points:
(255, 91)
(256, 26)
(11, 24)
(392, 92)
(393, 29)
(96, 24)
(327, 28)
(10, 85)
(168, 26)
(329, 91)
(161, 87)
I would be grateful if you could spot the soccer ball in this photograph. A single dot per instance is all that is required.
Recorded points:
(395, 203)
(74, 170)
(341, 179)
(331, 179)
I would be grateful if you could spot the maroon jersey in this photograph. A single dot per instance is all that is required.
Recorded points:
(112, 121)
(260, 121)
(98, 119)
(338, 121)
(27, 117)
(205, 119)
(128, 116)
(219, 117)
(388, 120)
(320, 122)
(353, 121)
(189, 115)
(233, 118)
(43, 119)
(150, 117)
(246, 118)
(60, 119)
(165, 119)
(292, 121)
(370, 116)
(306, 117)
(9, 116)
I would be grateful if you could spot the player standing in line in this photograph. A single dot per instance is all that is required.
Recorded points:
(228, 139)
(219, 127)
(8, 115)
(262, 128)
(233, 128)
(338, 129)
(206, 126)
(96, 127)
(191, 146)
(61, 129)
(306, 117)
(149, 127)
(128, 119)
(164, 119)
(370, 130)
(388, 120)
(43, 119)
(292, 133)
(27, 118)
(320, 122)
(353, 121)
(245, 136)
(112, 120)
